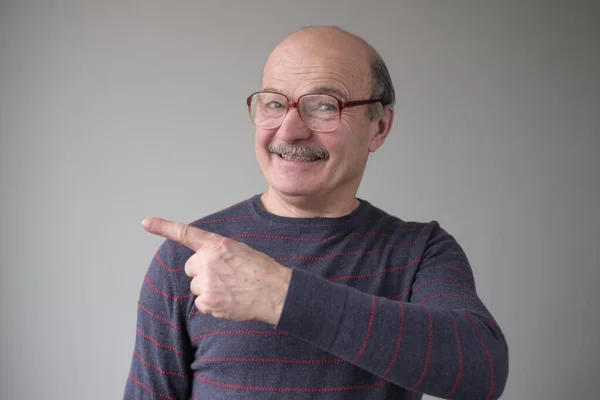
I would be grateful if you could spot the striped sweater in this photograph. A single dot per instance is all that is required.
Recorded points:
(377, 308)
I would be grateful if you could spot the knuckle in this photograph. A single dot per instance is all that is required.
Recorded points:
(195, 287)
(208, 303)
(222, 243)
(200, 305)
(190, 267)
(214, 300)
(183, 231)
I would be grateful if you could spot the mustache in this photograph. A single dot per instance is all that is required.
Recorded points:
(296, 150)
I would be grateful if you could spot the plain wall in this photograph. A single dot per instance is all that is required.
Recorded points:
(111, 111)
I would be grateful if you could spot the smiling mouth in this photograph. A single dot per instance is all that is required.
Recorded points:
(296, 158)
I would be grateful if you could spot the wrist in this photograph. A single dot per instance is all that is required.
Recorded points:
(278, 293)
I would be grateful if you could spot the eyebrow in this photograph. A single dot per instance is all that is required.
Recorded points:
(329, 90)
(320, 89)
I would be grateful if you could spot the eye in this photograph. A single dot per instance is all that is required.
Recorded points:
(327, 107)
(274, 105)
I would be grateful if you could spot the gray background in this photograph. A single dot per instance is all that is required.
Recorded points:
(112, 111)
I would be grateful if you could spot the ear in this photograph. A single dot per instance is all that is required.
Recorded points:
(381, 128)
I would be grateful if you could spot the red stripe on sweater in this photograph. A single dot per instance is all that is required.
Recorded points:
(192, 313)
(165, 266)
(416, 288)
(368, 333)
(165, 295)
(352, 253)
(156, 367)
(308, 239)
(157, 344)
(140, 384)
(141, 306)
(212, 221)
(240, 332)
(398, 341)
(268, 360)
(374, 274)
(460, 360)
(292, 389)
(428, 356)
(436, 296)
(438, 231)
(480, 313)
(487, 354)
(401, 295)
(469, 277)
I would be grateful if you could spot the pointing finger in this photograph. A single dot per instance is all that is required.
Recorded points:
(187, 235)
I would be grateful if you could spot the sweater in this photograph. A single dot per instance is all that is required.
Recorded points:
(377, 308)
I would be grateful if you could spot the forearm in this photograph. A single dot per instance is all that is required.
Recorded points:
(433, 350)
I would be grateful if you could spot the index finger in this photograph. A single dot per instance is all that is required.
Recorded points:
(187, 235)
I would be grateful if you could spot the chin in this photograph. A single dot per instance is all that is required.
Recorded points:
(294, 189)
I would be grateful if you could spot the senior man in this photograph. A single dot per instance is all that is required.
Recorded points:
(306, 291)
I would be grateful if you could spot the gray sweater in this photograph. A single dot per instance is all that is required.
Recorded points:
(377, 308)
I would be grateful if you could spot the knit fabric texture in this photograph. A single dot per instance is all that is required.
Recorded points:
(377, 308)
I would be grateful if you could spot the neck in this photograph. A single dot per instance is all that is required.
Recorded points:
(313, 207)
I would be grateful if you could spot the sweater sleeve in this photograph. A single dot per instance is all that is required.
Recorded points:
(441, 341)
(160, 366)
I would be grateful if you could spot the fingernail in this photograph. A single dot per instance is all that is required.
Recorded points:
(146, 223)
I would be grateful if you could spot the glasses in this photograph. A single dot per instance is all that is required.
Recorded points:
(319, 112)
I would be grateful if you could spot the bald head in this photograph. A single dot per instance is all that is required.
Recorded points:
(335, 34)
(338, 52)
(333, 38)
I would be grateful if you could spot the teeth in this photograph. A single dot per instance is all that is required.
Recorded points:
(292, 158)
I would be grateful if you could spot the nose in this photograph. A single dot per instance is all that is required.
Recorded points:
(293, 128)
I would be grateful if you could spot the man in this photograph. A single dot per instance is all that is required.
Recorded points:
(306, 291)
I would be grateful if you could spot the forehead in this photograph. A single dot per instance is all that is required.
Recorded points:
(296, 69)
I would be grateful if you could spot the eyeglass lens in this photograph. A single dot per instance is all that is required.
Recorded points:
(319, 112)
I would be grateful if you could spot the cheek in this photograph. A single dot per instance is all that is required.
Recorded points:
(262, 139)
(353, 139)
(260, 135)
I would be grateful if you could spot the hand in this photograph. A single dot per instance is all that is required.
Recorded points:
(230, 279)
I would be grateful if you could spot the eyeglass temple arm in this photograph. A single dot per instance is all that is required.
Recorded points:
(362, 102)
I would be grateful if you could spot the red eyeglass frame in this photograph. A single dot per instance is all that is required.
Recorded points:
(294, 104)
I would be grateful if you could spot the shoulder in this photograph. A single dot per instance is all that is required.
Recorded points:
(237, 212)
(388, 222)
(422, 238)
(227, 221)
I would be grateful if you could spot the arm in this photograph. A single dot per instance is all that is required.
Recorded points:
(160, 366)
(442, 341)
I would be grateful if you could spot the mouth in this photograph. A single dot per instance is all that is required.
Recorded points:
(298, 153)
(298, 158)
